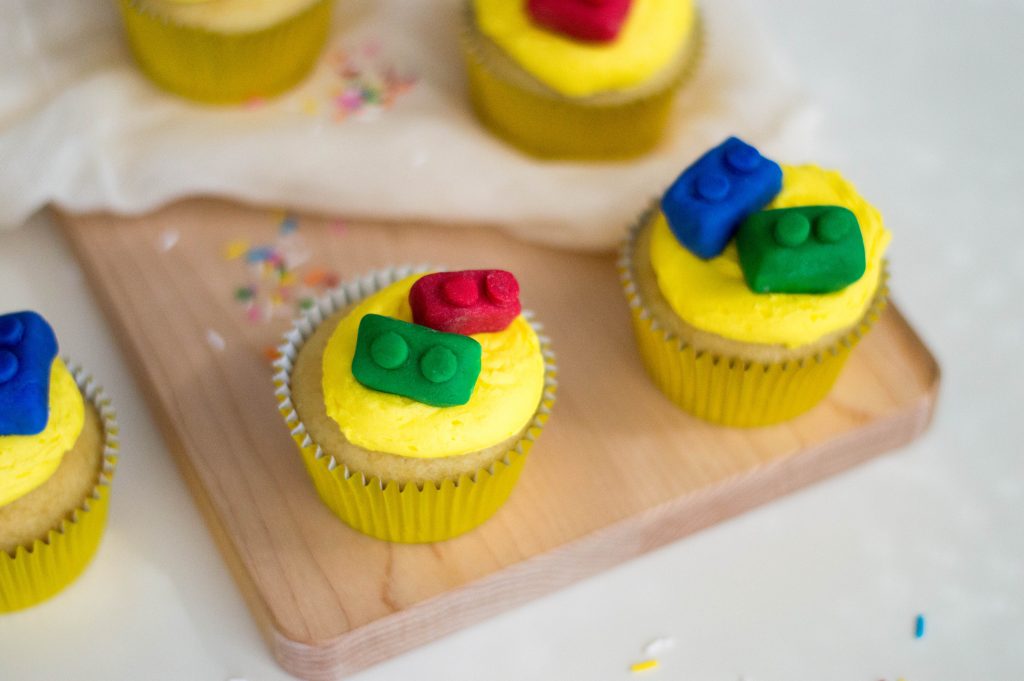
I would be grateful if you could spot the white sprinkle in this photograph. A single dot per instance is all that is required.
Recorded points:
(168, 240)
(215, 340)
(659, 646)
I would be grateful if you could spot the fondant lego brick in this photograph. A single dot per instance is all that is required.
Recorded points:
(809, 249)
(586, 20)
(706, 204)
(436, 368)
(27, 350)
(467, 302)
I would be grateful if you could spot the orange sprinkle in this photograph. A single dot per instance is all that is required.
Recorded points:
(315, 276)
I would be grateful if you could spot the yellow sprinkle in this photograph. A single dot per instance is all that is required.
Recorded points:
(287, 279)
(309, 106)
(236, 249)
(276, 300)
(643, 666)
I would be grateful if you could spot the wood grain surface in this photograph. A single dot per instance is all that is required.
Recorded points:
(617, 472)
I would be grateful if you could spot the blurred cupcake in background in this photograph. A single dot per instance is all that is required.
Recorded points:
(578, 79)
(225, 51)
(58, 448)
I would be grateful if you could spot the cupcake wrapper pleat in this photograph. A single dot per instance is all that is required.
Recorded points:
(36, 572)
(220, 67)
(385, 509)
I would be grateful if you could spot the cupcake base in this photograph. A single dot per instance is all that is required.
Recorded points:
(387, 509)
(546, 124)
(37, 571)
(732, 389)
(217, 67)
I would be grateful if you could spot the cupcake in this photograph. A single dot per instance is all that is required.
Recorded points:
(577, 79)
(225, 51)
(58, 442)
(414, 399)
(750, 283)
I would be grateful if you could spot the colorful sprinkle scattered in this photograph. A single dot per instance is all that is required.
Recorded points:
(278, 282)
(919, 626)
(350, 82)
(644, 666)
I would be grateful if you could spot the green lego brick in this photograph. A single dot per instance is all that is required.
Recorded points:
(808, 249)
(432, 367)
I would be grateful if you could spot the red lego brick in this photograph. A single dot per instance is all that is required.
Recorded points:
(586, 20)
(467, 302)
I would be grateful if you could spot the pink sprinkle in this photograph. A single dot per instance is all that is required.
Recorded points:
(338, 227)
(254, 313)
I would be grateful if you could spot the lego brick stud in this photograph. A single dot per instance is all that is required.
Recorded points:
(28, 347)
(808, 249)
(8, 366)
(467, 302)
(585, 20)
(706, 204)
(432, 367)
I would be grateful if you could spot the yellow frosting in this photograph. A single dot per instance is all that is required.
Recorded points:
(713, 296)
(505, 398)
(227, 16)
(652, 35)
(26, 461)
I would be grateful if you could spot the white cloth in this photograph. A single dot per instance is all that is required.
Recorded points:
(80, 127)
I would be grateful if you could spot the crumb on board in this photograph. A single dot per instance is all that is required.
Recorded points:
(659, 645)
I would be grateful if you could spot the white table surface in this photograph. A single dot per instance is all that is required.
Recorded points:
(925, 108)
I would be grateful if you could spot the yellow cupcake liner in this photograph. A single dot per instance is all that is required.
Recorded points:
(547, 124)
(734, 391)
(36, 572)
(221, 67)
(385, 509)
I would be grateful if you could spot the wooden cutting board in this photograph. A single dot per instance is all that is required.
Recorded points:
(618, 471)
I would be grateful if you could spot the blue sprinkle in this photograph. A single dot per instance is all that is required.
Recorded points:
(919, 627)
(260, 254)
(289, 224)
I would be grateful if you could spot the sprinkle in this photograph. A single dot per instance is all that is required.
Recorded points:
(259, 254)
(919, 627)
(168, 239)
(255, 103)
(338, 227)
(659, 646)
(271, 353)
(315, 276)
(306, 303)
(244, 293)
(235, 249)
(289, 224)
(643, 666)
(254, 314)
(331, 280)
(215, 340)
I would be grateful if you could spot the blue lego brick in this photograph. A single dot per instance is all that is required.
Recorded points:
(706, 204)
(27, 350)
